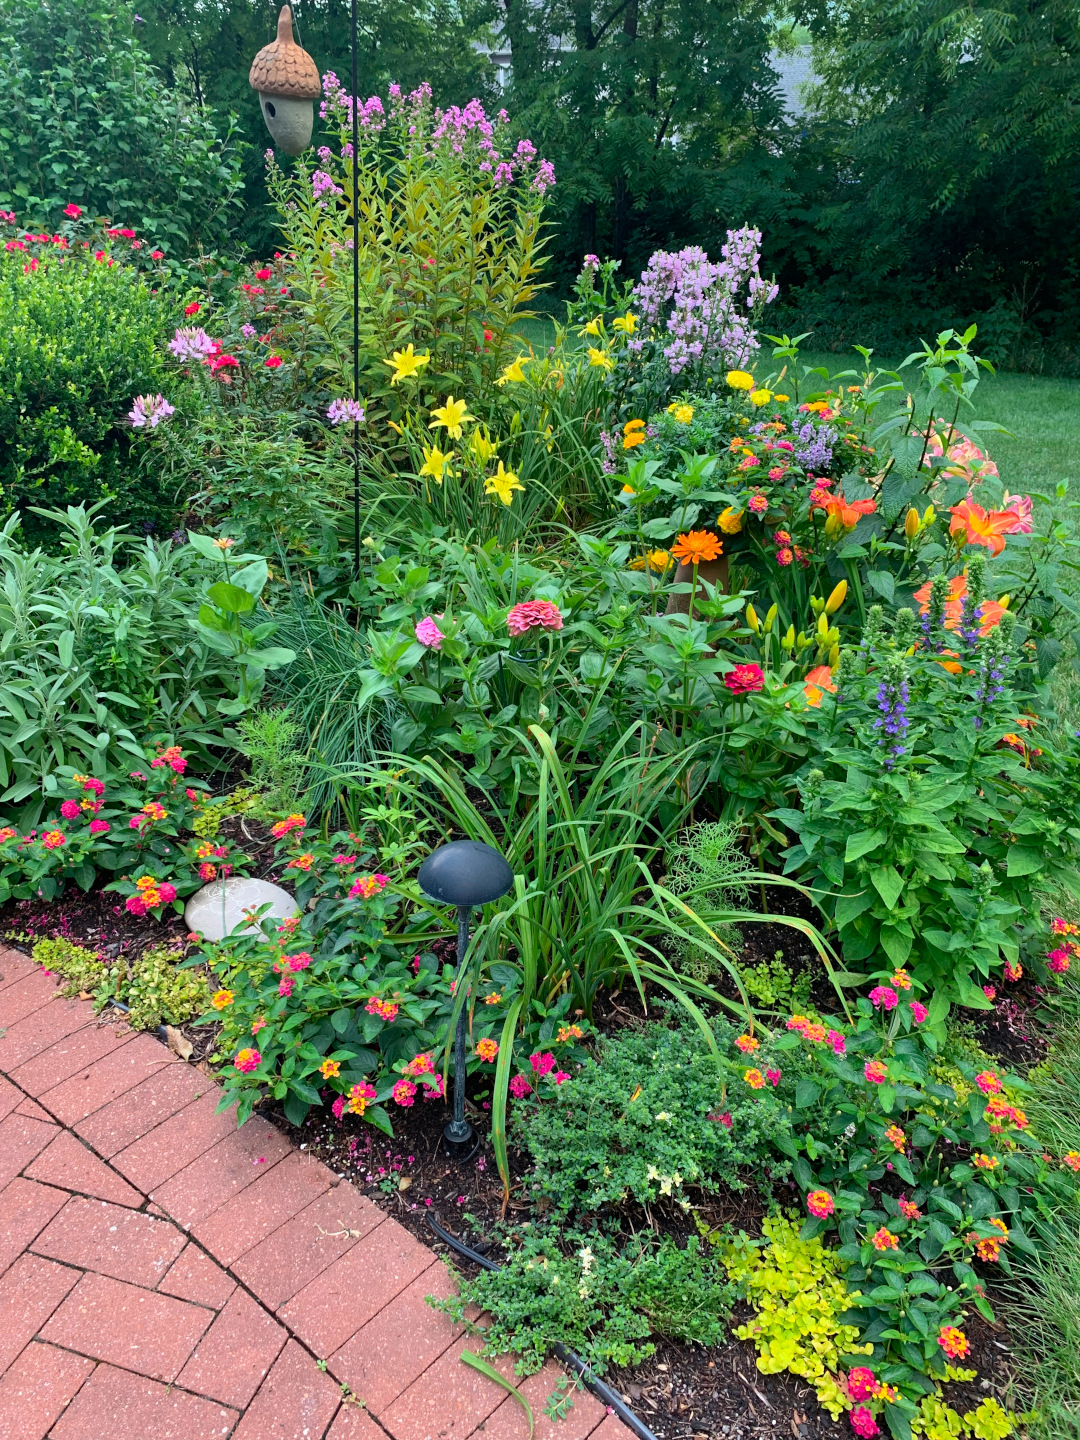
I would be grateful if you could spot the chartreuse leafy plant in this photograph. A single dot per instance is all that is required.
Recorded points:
(154, 987)
(601, 1296)
(936, 804)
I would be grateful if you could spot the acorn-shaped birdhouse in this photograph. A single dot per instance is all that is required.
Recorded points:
(287, 81)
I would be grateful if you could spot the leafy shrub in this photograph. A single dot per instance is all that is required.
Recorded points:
(112, 641)
(773, 985)
(95, 125)
(941, 807)
(600, 1297)
(649, 1118)
(79, 339)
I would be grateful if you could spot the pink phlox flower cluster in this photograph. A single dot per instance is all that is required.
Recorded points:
(149, 410)
(323, 184)
(344, 410)
(191, 342)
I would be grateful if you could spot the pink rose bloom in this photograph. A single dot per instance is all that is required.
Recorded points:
(429, 634)
(532, 615)
(919, 1012)
(885, 997)
(99, 827)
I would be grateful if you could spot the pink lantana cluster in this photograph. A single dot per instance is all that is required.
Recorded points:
(368, 886)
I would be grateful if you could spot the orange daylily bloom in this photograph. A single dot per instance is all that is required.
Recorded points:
(973, 525)
(990, 611)
(697, 546)
(841, 514)
(819, 679)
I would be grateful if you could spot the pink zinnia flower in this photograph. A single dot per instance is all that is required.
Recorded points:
(429, 634)
(532, 615)
(745, 679)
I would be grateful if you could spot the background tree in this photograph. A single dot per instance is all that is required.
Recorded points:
(88, 119)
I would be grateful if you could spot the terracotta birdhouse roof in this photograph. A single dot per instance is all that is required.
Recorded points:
(283, 68)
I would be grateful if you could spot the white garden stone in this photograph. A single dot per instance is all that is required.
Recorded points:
(218, 908)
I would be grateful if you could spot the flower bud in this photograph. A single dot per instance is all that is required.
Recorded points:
(837, 598)
(911, 523)
(789, 639)
(770, 619)
(823, 625)
(834, 656)
(752, 620)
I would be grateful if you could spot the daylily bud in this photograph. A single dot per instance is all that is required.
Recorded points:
(789, 639)
(836, 599)
(1004, 601)
(770, 619)
(752, 620)
(823, 625)
(911, 523)
(834, 656)
(929, 516)
(816, 605)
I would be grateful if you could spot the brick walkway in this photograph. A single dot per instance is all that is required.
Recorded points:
(165, 1276)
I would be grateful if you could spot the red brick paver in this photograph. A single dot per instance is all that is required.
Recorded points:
(166, 1276)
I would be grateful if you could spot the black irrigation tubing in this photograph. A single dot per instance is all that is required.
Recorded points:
(603, 1392)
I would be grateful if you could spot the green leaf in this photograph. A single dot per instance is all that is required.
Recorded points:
(862, 843)
(476, 1363)
(806, 1092)
(1023, 861)
(340, 1020)
(230, 598)
(887, 882)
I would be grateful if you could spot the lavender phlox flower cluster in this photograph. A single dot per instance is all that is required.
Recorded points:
(343, 410)
(248, 331)
(611, 443)
(149, 410)
(709, 320)
(191, 342)
(814, 450)
(337, 104)
(892, 698)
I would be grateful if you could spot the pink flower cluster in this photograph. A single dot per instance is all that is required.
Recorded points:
(884, 997)
(344, 410)
(191, 342)
(368, 886)
(429, 634)
(149, 410)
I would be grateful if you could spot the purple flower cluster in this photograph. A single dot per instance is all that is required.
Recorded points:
(149, 410)
(191, 342)
(814, 450)
(369, 116)
(710, 318)
(323, 184)
(609, 439)
(892, 700)
(343, 410)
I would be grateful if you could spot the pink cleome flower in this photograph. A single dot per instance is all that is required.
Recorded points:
(532, 615)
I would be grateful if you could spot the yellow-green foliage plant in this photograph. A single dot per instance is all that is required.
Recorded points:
(450, 245)
(798, 1294)
(154, 987)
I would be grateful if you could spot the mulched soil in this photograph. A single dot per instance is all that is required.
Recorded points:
(683, 1391)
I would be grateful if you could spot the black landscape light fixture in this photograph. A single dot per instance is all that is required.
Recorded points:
(286, 79)
(464, 874)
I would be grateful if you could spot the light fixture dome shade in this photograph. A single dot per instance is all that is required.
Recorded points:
(465, 873)
(287, 81)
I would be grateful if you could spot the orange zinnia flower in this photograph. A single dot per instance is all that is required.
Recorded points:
(972, 525)
(698, 545)
(990, 611)
(819, 679)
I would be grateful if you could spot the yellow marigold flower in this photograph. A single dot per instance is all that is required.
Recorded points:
(760, 397)
(626, 323)
(514, 372)
(453, 415)
(682, 413)
(730, 521)
(740, 380)
(436, 464)
(656, 560)
(222, 999)
(503, 484)
(405, 364)
(600, 359)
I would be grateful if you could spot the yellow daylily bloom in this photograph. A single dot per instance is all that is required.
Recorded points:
(740, 380)
(482, 445)
(406, 365)
(514, 371)
(436, 464)
(453, 415)
(503, 484)
(626, 323)
(600, 359)
(594, 327)
(760, 397)
(682, 413)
